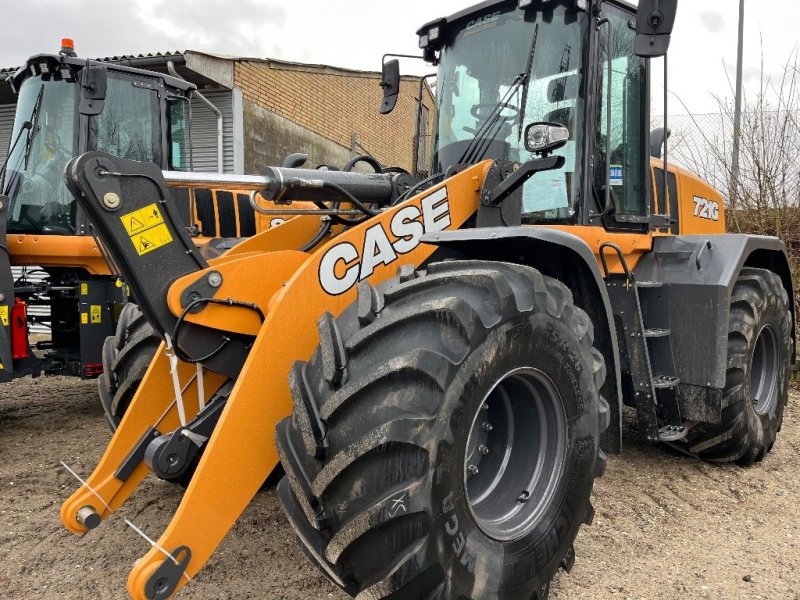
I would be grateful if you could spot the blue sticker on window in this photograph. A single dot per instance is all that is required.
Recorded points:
(616, 174)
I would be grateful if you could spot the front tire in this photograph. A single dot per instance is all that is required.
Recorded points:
(444, 440)
(126, 356)
(758, 369)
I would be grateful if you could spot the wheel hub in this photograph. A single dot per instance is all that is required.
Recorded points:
(514, 454)
(764, 372)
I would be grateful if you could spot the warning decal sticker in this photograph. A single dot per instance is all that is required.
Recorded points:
(84, 318)
(4, 315)
(96, 313)
(146, 229)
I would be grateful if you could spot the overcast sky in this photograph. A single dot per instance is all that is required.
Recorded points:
(355, 33)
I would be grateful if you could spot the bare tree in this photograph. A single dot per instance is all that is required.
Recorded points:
(765, 197)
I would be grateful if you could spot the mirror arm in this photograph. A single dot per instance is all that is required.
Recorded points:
(511, 183)
(383, 83)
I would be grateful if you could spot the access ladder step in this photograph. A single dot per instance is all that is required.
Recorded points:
(649, 284)
(656, 333)
(672, 433)
(663, 382)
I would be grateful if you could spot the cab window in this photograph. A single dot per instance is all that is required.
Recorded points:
(179, 159)
(129, 126)
(623, 159)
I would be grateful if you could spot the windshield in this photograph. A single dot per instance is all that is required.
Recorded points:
(502, 72)
(34, 179)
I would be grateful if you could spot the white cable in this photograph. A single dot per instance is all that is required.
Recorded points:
(86, 485)
(176, 384)
(196, 438)
(201, 393)
(155, 545)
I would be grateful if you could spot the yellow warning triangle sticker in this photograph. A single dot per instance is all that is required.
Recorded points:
(144, 243)
(135, 224)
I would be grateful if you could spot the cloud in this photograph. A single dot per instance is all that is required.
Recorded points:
(713, 21)
(132, 26)
(244, 27)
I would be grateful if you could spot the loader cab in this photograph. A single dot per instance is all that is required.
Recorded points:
(504, 65)
(67, 106)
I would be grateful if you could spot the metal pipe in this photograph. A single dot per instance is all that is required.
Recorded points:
(737, 114)
(215, 110)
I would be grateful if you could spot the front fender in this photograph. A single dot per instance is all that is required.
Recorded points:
(565, 257)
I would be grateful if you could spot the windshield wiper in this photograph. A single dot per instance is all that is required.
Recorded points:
(26, 125)
(528, 69)
(479, 144)
(33, 121)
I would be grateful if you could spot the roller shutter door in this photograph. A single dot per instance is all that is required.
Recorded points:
(204, 131)
(6, 125)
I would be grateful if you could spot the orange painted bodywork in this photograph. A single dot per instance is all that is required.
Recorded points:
(81, 251)
(690, 187)
(75, 251)
(269, 271)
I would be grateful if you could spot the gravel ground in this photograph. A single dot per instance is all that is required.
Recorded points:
(666, 525)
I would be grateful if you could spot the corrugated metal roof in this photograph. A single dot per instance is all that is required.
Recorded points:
(117, 59)
(180, 53)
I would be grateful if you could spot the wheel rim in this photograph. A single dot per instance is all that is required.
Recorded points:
(515, 453)
(764, 371)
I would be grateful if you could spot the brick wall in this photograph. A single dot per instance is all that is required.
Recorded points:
(335, 104)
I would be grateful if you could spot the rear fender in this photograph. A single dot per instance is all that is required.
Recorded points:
(699, 272)
(569, 259)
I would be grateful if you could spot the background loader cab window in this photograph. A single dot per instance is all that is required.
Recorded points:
(34, 181)
(129, 125)
(502, 71)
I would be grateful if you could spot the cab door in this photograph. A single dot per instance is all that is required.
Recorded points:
(621, 156)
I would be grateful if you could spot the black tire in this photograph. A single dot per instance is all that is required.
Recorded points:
(377, 486)
(126, 356)
(758, 369)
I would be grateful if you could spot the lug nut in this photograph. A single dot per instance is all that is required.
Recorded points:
(473, 470)
(485, 406)
(524, 496)
(487, 427)
(483, 449)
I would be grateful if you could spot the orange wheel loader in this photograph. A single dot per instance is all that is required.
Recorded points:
(443, 375)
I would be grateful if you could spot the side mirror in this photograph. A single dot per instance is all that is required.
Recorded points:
(94, 83)
(390, 82)
(544, 138)
(654, 23)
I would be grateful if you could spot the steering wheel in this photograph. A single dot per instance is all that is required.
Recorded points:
(478, 110)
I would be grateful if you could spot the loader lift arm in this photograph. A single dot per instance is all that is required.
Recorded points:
(294, 288)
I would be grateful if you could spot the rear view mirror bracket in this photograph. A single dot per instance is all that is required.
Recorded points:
(654, 24)
(94, 83)
(390, 82)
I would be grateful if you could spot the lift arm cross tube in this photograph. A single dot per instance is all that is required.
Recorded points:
(284, 184)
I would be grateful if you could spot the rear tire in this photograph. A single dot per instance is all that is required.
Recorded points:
(126, 356)
(758, 369)
(389, 417)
